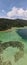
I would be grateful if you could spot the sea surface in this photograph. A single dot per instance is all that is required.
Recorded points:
(14, 35)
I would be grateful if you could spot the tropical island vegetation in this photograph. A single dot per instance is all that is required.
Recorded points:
(6, 24)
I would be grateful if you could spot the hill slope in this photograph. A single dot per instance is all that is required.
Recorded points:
(6, 24)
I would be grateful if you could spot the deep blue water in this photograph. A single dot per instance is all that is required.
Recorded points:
(22, 33)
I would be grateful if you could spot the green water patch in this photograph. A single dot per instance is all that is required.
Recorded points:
(9, 36)
(9, 52)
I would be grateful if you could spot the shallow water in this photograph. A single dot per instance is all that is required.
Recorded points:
(15, 35)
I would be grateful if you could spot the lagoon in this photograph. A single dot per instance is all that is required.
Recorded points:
(14, 35)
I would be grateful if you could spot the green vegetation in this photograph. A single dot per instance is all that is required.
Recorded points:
(6, 24)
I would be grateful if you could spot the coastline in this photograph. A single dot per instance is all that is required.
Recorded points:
(13, 28)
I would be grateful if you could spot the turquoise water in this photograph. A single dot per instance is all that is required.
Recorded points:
(14, 35)
(9, 36)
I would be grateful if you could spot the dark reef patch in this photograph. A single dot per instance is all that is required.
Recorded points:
(13, 44)
(18, 55)
(7, 63)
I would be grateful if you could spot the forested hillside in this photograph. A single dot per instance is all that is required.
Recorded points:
(6, 24)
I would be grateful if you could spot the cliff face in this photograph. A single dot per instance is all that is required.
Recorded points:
(6, 24)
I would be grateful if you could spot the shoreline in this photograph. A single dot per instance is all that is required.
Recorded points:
(13, 28)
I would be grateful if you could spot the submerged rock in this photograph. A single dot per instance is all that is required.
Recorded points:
(7, 63)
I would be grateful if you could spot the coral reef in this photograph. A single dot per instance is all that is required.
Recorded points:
(7, 63)
(13, 44)
(18, 55)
